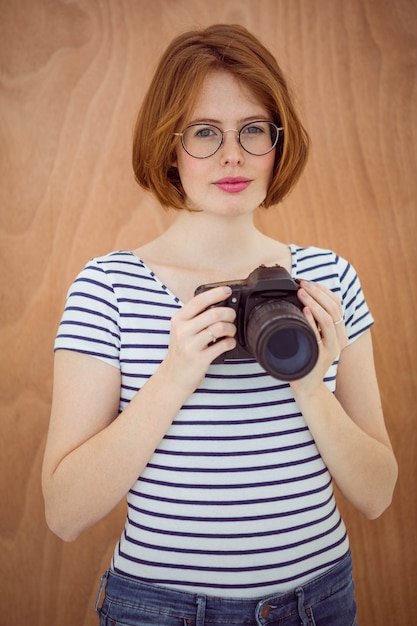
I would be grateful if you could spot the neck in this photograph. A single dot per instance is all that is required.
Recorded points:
(208, 238)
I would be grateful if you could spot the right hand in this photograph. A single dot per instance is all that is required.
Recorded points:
(193, 329)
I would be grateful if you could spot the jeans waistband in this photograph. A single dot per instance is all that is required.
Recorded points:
(122, 588)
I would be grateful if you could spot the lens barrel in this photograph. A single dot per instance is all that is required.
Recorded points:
(281, 339)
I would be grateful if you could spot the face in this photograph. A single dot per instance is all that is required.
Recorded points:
(231, 181)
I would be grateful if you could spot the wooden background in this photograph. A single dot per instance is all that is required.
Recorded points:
(72, 75)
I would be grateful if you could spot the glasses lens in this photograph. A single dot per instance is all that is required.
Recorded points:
(258, 137)
(201, 140)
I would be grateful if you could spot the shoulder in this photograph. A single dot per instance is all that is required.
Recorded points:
(110, 268)
(320, 264)
(111, 261)
(313, 257)
(98, 281)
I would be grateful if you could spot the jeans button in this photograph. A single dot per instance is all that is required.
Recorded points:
(265, 611)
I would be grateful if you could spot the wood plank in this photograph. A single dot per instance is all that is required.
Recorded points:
(72, 76)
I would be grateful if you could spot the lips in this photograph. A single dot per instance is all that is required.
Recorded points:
(233, 184)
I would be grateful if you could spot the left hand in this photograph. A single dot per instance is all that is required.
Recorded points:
(323, 310)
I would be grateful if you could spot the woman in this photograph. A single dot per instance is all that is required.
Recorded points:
(228, 470)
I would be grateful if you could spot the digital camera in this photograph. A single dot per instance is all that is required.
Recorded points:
(270, 324)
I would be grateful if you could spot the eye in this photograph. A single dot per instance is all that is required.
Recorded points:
(257, 128)
(206, 132)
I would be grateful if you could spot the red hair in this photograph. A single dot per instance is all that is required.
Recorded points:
(173, 92)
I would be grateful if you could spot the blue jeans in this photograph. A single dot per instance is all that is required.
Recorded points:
(327, 600)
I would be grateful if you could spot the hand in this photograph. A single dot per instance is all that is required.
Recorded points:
(199, 334)
(323, 310)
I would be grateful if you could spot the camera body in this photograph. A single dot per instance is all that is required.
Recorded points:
(270, 324)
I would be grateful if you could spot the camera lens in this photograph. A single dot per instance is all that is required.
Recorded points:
(281, 339)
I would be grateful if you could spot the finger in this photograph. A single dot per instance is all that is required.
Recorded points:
(214, 318)
(216, 346)
(321, 316)
(326, 310)
(311, 320)
(217, 330)
(208, 345)
(340, 321)
(212, 336)
(204, 300)
(329, 301)
(200, 331)
(204, 311)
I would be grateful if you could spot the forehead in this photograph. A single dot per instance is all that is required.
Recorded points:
(223, 96)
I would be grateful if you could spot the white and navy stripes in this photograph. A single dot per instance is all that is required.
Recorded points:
(236, 500)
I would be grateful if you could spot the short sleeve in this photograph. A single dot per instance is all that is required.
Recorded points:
(337, 274)
(90, 322)
(357, 315)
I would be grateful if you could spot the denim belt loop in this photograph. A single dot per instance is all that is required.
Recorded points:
(100, 591)
(303, 614)
(201, 610)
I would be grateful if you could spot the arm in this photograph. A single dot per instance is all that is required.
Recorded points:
(93, 455)
(348, 427)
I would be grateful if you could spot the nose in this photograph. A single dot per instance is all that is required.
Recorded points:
(231, 151)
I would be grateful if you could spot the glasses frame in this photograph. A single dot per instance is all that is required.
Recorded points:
(277, 128)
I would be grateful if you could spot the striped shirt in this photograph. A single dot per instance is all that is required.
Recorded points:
(236, 501)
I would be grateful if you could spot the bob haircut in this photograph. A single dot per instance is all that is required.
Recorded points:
(172, 95)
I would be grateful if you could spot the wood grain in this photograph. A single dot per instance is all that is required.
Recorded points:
(72, 77)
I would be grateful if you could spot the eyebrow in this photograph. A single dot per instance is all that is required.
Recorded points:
(207, 120)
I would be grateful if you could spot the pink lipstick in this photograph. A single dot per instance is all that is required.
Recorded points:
(233, 184)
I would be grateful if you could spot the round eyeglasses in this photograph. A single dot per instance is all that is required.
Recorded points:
(203, 140)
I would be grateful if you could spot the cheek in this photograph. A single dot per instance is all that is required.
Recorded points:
(269, 166)
(268, 173)
(191, 171)
(191, 188)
